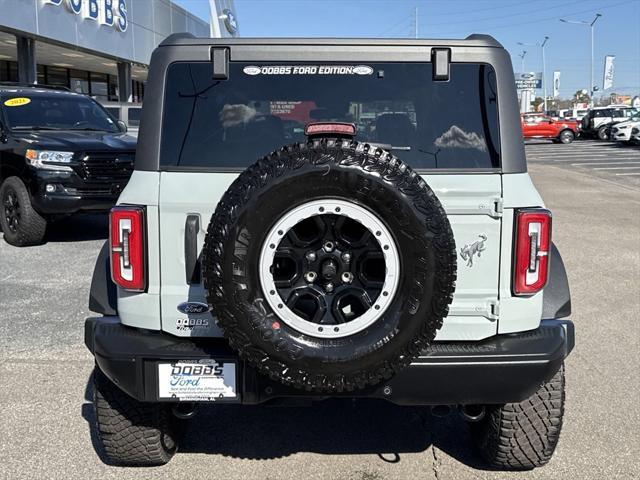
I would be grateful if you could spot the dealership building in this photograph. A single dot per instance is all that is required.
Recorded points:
(98, 47)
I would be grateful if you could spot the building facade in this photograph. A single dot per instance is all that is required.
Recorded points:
(98, 47)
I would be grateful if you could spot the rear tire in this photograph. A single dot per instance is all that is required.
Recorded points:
(524, 435)
(566, 137)
(21, 224)
(132, 432)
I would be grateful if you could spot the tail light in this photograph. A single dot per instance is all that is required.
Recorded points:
(127, 246)
(531, 250)
(330, 128)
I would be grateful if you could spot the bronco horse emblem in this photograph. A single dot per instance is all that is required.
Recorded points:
(468, 251)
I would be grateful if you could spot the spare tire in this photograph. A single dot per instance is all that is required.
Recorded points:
(329, 265)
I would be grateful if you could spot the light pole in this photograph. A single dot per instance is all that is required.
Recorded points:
(590, 24)
(544, 67)
(544, 74)
(522, 55)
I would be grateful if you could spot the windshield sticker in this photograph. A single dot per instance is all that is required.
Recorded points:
(308, 70)
(17, 102)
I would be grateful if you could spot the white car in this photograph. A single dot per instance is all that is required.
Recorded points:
(621, 132)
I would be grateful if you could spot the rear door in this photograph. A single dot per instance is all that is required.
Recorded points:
(447, 131)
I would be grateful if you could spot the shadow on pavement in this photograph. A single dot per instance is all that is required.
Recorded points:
(332, 427)
(78, 228)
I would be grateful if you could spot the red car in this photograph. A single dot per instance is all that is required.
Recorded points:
(538, 125)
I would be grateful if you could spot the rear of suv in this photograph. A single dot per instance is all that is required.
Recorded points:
(61, 153)
(310, 219)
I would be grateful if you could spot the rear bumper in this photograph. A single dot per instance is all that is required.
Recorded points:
(501, 369)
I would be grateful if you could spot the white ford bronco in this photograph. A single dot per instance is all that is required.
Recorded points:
(311, 219)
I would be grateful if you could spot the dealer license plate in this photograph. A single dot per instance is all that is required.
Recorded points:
(197, 380)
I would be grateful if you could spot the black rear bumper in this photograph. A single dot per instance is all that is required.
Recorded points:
(500, 369)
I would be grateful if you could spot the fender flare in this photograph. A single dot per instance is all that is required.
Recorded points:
(556, 297)
(103, 296)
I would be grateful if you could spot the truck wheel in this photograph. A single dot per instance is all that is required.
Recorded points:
(566, 136)
(21, 224)
(524, 435)
(132, 432)
(602, 133)
(329, 265)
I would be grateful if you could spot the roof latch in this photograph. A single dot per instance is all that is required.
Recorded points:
(220, 61)
(441, 58)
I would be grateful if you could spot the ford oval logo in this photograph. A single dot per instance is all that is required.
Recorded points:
(251, 70)
(362, 70)
(193, 308)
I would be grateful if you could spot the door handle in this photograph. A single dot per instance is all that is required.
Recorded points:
(191, 260)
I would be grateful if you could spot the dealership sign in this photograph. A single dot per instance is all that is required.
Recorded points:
(529, 80)
(112, 13)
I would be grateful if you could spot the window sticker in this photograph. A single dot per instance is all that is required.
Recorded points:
(308, 70)
(17, 102)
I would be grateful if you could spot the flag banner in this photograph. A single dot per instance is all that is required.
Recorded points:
(607, 83)
(556, 84)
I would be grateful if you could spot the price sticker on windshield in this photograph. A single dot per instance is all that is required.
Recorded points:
(17, 102)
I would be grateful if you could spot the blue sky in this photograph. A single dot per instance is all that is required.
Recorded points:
(617, 32)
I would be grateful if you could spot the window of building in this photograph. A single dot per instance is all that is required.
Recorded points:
(112, 85)
(42, 74)
(99, 86)
(79, 81)
(57, 76)
(8, 71)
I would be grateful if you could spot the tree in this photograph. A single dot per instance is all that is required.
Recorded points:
(581, 97)
(537, 104)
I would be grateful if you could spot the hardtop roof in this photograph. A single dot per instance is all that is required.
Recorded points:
(474, 40)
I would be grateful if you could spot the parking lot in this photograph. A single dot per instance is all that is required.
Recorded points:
(613, 161)
(46, 419)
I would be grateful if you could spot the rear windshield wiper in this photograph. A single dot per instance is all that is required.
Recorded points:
(390, 148)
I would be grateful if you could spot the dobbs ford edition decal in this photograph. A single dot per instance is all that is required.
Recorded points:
(308, 70)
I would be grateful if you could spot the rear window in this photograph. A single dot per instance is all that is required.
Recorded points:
(231, 123)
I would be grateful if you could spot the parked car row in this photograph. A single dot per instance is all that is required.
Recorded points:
(614, 122)
(597, 123)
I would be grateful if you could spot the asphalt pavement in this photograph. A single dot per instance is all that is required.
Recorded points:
(613, 161)
(47, 421)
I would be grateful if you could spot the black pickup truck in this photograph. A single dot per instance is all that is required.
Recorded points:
(60, 153)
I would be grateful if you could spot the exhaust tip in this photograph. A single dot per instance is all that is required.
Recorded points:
(472, 413)
(184, 411)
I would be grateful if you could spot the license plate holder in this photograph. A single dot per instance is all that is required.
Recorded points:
(203, 380)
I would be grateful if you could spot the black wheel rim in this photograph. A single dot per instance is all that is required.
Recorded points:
(12, 210)
(332, 272)
(329, 269)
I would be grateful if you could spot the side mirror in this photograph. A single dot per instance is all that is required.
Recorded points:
(122, 126)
